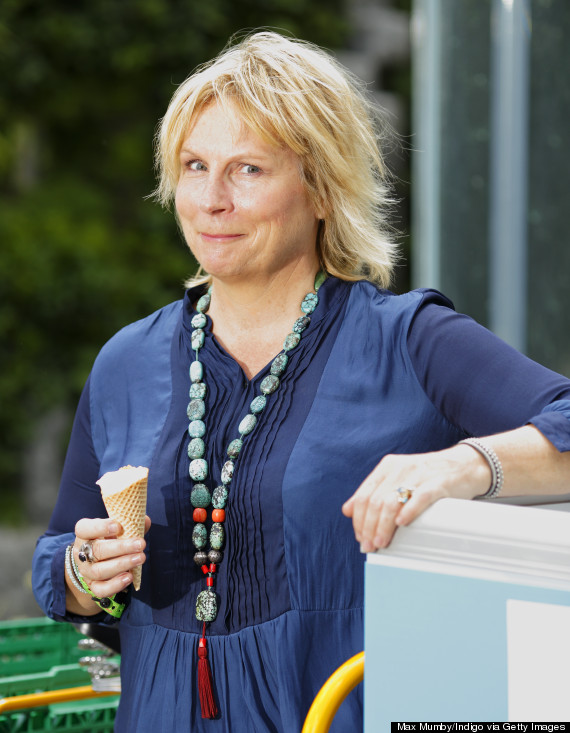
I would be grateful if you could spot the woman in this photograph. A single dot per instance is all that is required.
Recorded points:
(311, 396)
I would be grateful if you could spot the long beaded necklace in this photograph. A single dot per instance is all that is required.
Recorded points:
(200, 497)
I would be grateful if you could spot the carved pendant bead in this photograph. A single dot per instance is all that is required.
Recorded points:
(206, 606)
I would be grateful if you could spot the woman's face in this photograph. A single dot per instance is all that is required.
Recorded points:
(241, 203)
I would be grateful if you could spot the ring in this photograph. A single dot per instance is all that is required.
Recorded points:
(404, 494)
(85, 553)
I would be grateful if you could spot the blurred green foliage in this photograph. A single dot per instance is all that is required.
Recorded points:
(81, 251)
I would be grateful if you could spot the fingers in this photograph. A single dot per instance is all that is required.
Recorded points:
(374, 518)
(375, 508)
(90, 529)
(108, 588)
(114, 557)
(111, 576)
(107, 549)
(422, 498)
(348, 507)
(113, 572)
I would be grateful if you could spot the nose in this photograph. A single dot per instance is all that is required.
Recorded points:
(216, 195)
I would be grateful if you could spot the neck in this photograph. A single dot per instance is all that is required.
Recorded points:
(250, 320)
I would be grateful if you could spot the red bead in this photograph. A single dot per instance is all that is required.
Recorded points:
(205, 569)
(199, 515)
(210, 582)
(218, 515)
(212, 567)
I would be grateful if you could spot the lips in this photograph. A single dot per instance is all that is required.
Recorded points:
(219, 236)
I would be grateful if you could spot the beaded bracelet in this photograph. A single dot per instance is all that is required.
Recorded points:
(494, 464)
(109, 605)
(70, 571)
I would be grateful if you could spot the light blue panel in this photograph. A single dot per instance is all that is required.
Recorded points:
(436, 646)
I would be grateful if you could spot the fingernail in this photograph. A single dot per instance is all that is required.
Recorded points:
(136, 546)
(367, 546)
(126, 580)
(113, 528)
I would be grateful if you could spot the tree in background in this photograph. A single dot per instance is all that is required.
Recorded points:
(82, 252)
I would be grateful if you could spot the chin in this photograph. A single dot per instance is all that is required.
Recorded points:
(224, 271)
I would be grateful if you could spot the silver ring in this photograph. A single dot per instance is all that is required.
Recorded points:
(85, 553)
(404, 494)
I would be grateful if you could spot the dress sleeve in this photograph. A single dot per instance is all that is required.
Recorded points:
(78, 497)
(478, 382)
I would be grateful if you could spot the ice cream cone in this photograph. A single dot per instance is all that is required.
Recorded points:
(124, 496)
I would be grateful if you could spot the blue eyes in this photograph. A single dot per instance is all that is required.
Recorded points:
(197, 165)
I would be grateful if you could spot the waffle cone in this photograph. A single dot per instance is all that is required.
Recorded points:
(125, 501)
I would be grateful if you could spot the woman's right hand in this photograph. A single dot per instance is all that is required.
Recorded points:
(115, 558)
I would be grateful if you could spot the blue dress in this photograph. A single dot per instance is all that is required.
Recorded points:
(373, 374)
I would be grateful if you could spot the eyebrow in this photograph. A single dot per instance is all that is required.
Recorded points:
(240, 155)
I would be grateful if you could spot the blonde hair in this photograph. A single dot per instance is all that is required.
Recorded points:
(292, 93)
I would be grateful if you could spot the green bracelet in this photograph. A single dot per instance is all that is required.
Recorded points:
(109, 605)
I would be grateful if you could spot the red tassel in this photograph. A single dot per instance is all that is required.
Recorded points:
(205, 682)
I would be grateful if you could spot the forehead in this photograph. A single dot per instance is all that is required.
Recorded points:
(217, 124)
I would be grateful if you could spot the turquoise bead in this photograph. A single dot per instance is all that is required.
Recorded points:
(279, 363)
(291, 341)
(196, 371)
(320, 278)
(310, 302)
(301, 324)
(197, 429)
(199, 320)
(199, 536)
(197, 338)
(220, 497)
(196, 448)
(247, 424)
(217, 536)
(269, 384)
(198, 469)
(203, 303)
(200, 496)
(227, 472)
(196, 410)
(206, 606)
(257, 405)
(234, 448)
(197, 391)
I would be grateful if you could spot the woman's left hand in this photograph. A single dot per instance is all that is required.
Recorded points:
(375, 508)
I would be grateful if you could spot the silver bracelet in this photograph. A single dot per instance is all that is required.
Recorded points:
(494, 463)
(71, 568)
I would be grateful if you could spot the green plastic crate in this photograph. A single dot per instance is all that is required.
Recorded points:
(86, 716)
(57, 678)
(36, 645)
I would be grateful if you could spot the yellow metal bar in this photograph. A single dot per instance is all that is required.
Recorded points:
(332, 693)
(37, 699)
